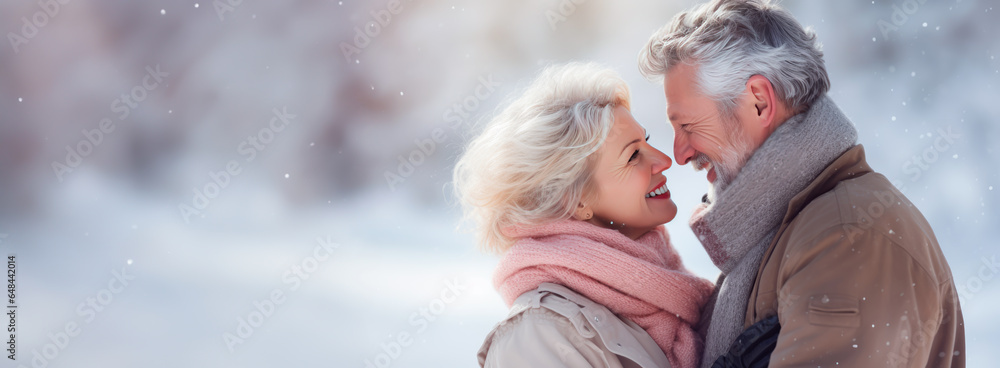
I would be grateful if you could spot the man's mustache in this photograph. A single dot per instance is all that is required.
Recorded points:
(701, 161)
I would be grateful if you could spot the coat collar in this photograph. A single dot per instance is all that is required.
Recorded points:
(851, 164)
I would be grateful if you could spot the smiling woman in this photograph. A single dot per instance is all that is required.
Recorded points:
(564, 185)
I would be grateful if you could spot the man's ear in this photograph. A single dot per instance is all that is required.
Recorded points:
(764, 99)
(583, 212)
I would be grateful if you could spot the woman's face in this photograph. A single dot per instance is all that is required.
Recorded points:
(632, 194)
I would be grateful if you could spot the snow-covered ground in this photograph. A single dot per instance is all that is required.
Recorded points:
(307, 255)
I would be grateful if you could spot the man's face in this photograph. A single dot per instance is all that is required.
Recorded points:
(701, 134)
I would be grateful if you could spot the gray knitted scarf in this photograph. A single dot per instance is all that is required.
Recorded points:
(738, 225)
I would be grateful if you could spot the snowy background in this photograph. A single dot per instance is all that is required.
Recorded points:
(363, 263)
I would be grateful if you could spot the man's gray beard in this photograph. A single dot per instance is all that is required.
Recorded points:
(730, 163)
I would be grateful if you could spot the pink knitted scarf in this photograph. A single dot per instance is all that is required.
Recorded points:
(642, 280)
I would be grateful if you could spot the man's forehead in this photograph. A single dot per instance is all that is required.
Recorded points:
(676, 92)
(674, 110)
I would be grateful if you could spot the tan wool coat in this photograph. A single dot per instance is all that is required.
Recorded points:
(857, 278)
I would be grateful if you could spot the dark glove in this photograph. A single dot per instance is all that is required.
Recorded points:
(753, 347)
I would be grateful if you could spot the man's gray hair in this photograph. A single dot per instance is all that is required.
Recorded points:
(729, 41)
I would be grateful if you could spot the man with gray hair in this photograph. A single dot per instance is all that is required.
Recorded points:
(804, 231)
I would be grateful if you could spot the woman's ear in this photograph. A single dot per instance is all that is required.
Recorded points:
(583, 212)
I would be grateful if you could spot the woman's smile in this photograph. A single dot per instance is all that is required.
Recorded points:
(660, 192)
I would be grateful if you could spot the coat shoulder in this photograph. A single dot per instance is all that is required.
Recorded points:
(540, 337)
(869, 211)
(860, 254)
(553, 326)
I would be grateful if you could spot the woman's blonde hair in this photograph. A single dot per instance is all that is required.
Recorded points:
(532, 162)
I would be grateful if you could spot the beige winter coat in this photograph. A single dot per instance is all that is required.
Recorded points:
(553, 326)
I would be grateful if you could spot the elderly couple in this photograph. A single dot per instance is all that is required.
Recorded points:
(824, 263)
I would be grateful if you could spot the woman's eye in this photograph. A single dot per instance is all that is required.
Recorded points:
(635, 155)
(647, 137)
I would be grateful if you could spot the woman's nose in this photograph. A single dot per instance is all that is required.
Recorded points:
(663, 162)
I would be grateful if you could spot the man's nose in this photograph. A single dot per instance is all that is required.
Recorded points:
(683, 151)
